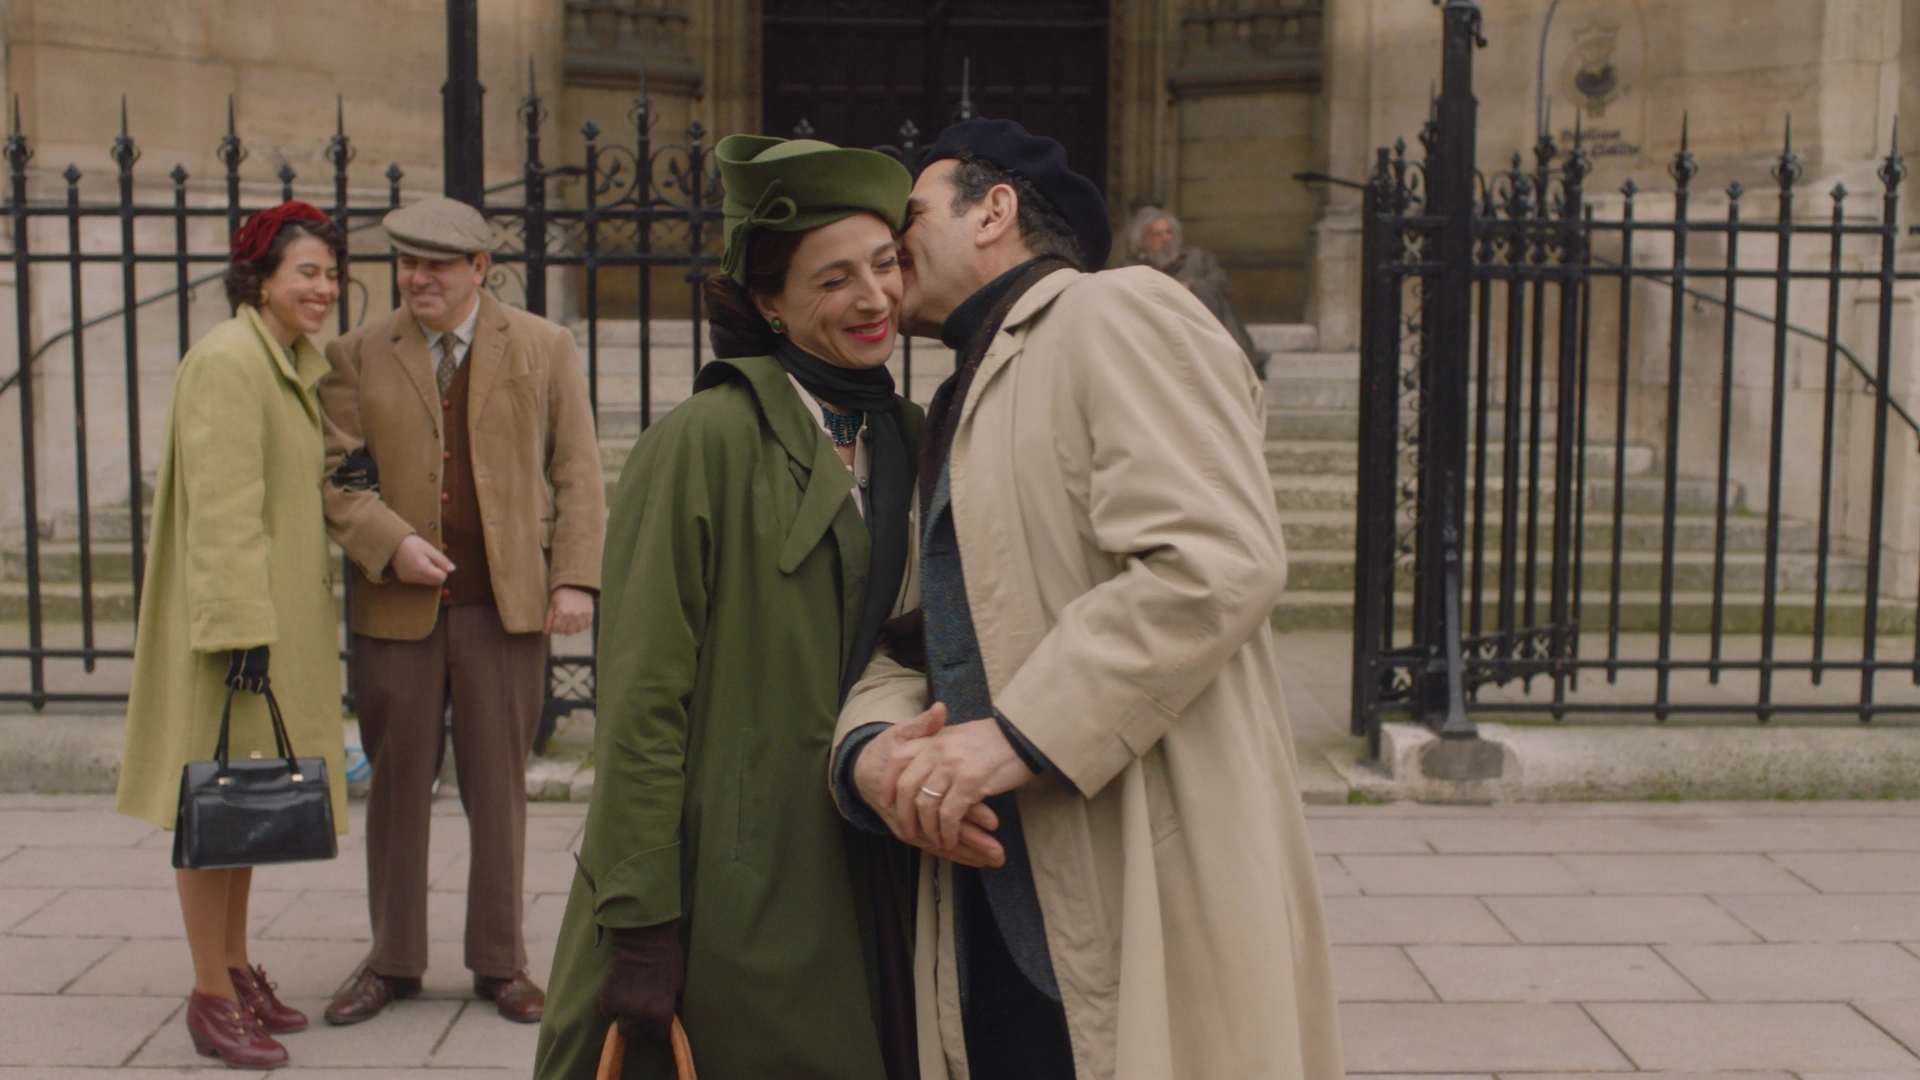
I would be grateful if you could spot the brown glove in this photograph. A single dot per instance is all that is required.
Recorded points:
(645, 973)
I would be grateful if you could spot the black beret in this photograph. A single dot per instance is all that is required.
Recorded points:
(1042, 162)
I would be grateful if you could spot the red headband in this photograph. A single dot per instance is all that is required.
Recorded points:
(252, 239)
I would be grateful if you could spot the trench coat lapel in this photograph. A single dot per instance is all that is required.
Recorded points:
(302, 366)
(811, 452)
(410, 349)
(486, 356)
(1003, 352)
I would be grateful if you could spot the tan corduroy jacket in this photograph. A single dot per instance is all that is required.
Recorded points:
(536, 464)
(1122, 558)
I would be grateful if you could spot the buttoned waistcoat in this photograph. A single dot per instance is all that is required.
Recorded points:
(535, 459)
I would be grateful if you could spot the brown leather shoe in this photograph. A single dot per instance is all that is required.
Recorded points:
(256, 993)
(366, 994)
(227, 1030)
(518, 999)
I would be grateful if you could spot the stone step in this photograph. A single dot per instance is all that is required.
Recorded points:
(1311, 392)
(1289, 367)
(1280, 338)
(60, 601)
(1639, 613)
(1316, 457)
(1343, 423)
(1333, 530)
(1322, 571)
(112, 560)
(1643, 494)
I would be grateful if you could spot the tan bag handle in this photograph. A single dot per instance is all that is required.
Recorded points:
(613, 1054)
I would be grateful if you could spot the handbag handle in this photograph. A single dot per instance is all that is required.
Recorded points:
(613, 1053)
(282, 742)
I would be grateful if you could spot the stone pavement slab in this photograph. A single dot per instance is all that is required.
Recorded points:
(112, 912)
(1460, 875)
(48, 965)
(18, 904)
(1900, 1019)
(1869, 917)
(1457, 1038)
(1549, 973)
(1393, 920)
(1616, 920)
(1854, 871)
(45, 1029)
(1718, 1037)
(1642, 875)
(1845, 972)
(1378, 973)
(1501, 943)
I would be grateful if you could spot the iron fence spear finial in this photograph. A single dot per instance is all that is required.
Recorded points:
(1788, 171)
(1893, 171)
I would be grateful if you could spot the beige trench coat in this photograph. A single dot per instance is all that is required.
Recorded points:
(1123, 557)
(536, 464)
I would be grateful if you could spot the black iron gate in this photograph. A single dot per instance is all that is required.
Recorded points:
(70, 580)
(1540, 497)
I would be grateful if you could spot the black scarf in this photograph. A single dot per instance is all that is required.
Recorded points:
(969, 330)
(889, 485)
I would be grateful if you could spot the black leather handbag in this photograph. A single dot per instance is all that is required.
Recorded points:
(254, 811)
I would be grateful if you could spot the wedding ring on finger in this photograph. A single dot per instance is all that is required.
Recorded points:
(932, 794)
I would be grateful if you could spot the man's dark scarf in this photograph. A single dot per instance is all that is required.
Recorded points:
(970, 332)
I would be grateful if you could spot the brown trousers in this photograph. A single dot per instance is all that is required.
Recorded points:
(402, 689)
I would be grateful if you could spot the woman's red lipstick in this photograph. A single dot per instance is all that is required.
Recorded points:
(871, 332)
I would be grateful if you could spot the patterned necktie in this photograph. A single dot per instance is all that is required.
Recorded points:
(443, 372)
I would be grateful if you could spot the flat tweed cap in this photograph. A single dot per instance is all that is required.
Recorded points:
(437, 227)
(1042, 162)
(791, 185)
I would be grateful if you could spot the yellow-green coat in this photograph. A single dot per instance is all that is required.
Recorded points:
(237, 558)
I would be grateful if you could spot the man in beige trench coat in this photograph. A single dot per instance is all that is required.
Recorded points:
(1154, 912)
(464, 483)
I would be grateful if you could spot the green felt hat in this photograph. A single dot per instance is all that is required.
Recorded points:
(791, 185)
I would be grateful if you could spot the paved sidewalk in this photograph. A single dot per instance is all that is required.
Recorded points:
(1726, 940)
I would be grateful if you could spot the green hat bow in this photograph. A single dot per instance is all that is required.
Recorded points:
(771, 212)
(791, 185)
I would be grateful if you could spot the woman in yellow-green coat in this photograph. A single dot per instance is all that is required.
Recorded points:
(238, 591)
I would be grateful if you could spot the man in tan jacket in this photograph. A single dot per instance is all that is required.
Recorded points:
(464, 484)
(1099, 563)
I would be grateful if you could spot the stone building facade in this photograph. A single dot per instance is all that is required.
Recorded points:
(1207, 107)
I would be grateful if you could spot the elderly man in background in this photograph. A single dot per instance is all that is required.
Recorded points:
(464, 483)
(1156, 240)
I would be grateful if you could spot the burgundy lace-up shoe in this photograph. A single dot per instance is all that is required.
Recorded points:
(229, 1031)
(256, 993)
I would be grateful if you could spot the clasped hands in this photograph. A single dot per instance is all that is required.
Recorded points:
(928, 782)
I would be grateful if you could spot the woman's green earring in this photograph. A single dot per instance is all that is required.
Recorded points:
(778, 326)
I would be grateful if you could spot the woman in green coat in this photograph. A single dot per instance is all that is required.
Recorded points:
(237, 567)
(757, 540)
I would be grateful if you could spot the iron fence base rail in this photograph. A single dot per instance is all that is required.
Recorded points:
(1480, 295)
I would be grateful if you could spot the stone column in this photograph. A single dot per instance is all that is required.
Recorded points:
(1244, 85)
(1334, 300)
(1142, 144)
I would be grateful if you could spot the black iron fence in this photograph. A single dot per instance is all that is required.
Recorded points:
(1584, 459)
(633, 205)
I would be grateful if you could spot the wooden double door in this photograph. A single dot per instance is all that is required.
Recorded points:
(855, 70)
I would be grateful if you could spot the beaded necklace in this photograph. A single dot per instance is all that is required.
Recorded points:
(843, 427)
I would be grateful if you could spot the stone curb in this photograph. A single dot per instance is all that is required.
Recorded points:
(1620, 762)
(74, 753)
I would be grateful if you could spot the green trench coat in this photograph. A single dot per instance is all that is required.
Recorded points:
(735, 570)
(237, 558)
